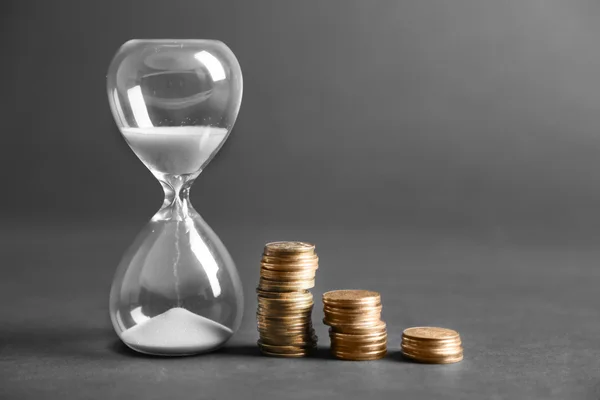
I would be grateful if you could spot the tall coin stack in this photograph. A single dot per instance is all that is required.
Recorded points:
(432, 345)
(356, 329)
(284, 316)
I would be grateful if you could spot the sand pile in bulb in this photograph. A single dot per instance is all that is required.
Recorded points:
(176, 331)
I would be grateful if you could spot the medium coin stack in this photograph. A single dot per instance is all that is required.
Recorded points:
(284, 315)
(432, 345)
(356, 329)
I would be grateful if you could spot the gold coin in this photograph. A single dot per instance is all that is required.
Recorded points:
(359, 358)
(353, 322)
(362, 340)
(283, 348)
(289, 267)
(283, 318)
(289, 341)
(286, 336)
(297, 282)
(358, 324)
(284, 312)
(286, 289)
(298, 340)
(283, 324)
(289, 258)
(288, 349)
(284, 330)
(351, 318)
(365, 353)
(432, 357)
(300, 295)
(280, 327)
(353, 310)
(351, 297)
(288, 247)
(359, 330)
(357, 343)
(301, 335)
(300, 346)
(280, 333)
(430, 333)
(433, 344)
(338, 315)
(366, 356)
(300, 259)
(340, 322)
(287, 276)
(283, 304)
(359, 349)
(358, 338)
(265, 284)
(299, 354)
(426, 352)
(435, 360)
(276, 338)
(287, 270)
(291, 308)
(283, 301)
(287, 321)
(279, 314)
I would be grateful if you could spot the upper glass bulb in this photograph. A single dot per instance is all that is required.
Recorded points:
(177, 290)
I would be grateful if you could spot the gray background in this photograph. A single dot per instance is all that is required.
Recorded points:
(441, 152)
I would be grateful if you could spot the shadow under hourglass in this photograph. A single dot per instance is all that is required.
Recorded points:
(235, 350)
(120, 348)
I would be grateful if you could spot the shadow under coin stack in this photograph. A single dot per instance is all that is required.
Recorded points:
(356, 330)
(432, 345)
(284, 316)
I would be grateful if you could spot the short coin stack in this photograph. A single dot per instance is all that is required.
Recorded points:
(356, 329)
(284, 315)
(432, 345)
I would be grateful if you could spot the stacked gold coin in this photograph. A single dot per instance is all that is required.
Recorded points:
(356, 329)
(432, 345)
(284, 315)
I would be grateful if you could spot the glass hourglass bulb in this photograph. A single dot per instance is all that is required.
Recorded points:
(176, 290)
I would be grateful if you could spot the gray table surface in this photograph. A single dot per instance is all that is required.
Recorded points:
(527, 310)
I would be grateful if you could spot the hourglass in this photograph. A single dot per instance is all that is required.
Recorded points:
(176, 290)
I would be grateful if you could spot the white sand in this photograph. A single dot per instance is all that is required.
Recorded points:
(176, 332)
(175, 150)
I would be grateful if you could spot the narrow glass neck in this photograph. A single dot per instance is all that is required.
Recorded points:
(177, 205)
